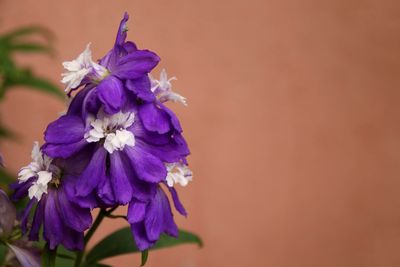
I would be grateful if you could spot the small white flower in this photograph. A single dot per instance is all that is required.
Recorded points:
(114, 129)
(178, 173)
(79, 68)
(163, 89)
(40, 169)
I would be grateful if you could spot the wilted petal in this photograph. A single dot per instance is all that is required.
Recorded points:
(27, 258)
(8, 215)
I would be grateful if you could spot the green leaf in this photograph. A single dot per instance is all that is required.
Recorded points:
(121, 242)
(26, 31)
(5, 177)
(30, 48)
(145, 256)
(28, 79)
(6, 133)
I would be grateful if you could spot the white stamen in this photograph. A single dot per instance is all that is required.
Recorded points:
(178, 173)
(163, 89)
(114, 129)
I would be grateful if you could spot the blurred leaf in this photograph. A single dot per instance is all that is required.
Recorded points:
(98, 265)
(26, 78)
(5, 177)
(29, 47)
(26, 31)
(18, 41)
(6, 133)
(3, 252)
(121, 242)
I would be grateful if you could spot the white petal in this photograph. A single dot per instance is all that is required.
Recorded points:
(44, 177)
(36, 154)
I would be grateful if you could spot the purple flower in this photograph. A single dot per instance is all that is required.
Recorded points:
(45, 183)
(116, 143)
(126, 152)
(123, 65)
(152, 218)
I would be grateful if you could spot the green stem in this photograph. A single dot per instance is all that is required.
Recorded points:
(117, 217)
(102, 214)
(49, 256)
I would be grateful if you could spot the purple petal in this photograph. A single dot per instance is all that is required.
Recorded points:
(25, 215)
(136, 211)
(122, 30)
(21, 189)
(110, 92)
(147, 167)
(174, 119)
(73, 240)
(94, 173)
(154, 119)
(66, 130)
(149, 137)
(37, 221)
(77, 218)
(90, 201)
(106, 193)
(173, 151)
(53, 231)
(76, 105)
(119, 179)
(63, 150)
(129, 47)
(142, 88)
(136, 64)
(154, 221)
(139, 234)
(177, 203)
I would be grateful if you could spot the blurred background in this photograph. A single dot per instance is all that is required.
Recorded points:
(293, 121)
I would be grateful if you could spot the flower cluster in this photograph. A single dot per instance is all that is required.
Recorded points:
(117, 144)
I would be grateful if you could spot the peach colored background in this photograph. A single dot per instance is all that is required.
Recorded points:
(293, 121)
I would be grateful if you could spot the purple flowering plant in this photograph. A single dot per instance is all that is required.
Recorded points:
(116, 144)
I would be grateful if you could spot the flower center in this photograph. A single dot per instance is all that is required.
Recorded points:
(112, 131)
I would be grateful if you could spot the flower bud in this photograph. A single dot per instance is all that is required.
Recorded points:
(8, 215)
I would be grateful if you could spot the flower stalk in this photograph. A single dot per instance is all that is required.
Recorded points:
(100, 217)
